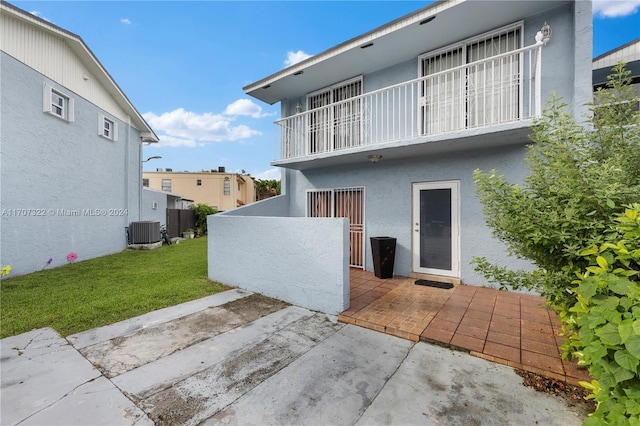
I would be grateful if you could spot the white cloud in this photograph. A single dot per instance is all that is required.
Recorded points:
(295, 57)
(273, 173)
(186, 128)
(614, 8)
(39, 15)
(125, 21)
(245, 107)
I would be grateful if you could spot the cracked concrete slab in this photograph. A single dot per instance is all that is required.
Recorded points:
(124, 353)
(148, 379)
(102, 334)
(46, 381)
(200, 396)
(245, 359)
(332, 384)
(438, 386)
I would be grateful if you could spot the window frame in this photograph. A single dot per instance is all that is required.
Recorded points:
(113, 133)
(226, 186)
(67, 112)
(166, 183)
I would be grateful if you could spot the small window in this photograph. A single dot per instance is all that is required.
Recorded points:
(166, 185)
(57, 103)
(227, 186)
(145, 182)
(107, 128)
(199, 182)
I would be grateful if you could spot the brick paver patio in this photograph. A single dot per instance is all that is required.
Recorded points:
(505, 327)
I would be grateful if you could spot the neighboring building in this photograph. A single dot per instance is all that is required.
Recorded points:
(220, 190)
(380, 136)
(71, 147)
(629, 54)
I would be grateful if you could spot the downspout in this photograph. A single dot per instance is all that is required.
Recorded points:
(140, 182)
(126, 167)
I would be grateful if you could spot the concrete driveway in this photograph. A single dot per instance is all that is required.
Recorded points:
(240, 358)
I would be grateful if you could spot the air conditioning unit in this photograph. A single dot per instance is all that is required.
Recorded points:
(145, 232)
(169, 170)
(221, 169)
(158, 169)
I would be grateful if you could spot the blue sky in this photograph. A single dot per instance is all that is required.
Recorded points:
(183, 64)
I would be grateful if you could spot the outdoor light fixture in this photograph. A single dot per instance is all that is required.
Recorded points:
(374, 158)
(546, 32)
(298, 72)
(364, 46)
(155, 157)
(298, 108)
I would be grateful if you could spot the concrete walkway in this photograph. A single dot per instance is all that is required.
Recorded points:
(241, 358)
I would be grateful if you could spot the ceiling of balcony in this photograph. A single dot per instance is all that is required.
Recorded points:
(396, 42)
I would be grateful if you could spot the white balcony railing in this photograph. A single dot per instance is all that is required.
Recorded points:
(499, 89)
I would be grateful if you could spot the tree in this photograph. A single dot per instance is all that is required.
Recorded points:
(581, 177)
(202, 211)
(267, 187)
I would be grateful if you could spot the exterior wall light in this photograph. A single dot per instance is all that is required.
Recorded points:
(546, 33)
(298, 108)
(374, 158)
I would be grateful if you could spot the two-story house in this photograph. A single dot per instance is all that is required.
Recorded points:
(380, 136)
(70, 150)
(216, 188)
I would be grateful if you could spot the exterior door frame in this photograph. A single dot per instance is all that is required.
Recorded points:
(454, 186)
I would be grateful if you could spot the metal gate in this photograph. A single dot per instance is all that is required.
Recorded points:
(342, 202)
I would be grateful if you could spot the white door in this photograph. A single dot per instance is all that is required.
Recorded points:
(435, 223)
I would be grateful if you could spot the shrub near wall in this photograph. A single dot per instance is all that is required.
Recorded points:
(603, 326)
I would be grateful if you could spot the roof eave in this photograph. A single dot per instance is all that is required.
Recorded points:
(80, 47)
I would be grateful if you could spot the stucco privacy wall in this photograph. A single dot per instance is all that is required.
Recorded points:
(277, 206)
(388, 200)
(282, 258)
(50, 166)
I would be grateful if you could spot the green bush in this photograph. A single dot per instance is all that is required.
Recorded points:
(581, 177)
(202, 211)
(582, 191)
(603, 326)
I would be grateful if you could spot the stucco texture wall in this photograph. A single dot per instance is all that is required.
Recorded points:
(159, 214)
(388, 186)
(303, 261)
(63, 188)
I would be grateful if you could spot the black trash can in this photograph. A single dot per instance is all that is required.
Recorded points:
(383, 250)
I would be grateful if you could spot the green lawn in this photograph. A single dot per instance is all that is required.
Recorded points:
(83, 295)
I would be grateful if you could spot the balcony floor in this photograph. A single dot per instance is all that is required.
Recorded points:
(508, 328)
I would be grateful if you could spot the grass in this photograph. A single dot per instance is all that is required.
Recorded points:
(83, 295)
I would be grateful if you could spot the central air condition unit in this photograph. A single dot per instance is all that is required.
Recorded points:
(221, 169)
(145, 232)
